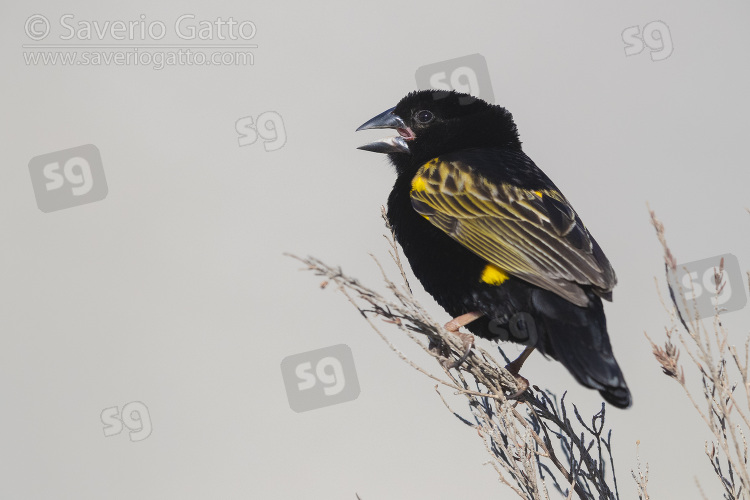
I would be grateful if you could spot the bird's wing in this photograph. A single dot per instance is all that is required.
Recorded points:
(534, 235)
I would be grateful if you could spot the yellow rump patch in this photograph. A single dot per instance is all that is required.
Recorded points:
(493, 275)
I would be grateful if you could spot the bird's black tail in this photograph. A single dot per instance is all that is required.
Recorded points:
(577, 338)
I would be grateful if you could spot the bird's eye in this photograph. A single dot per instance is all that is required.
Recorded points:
(424, 116)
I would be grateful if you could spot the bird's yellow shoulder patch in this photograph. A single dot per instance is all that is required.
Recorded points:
(431, 163)
(493, 275)
(418, 183)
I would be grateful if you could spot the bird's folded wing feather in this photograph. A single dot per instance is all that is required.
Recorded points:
(534, 235)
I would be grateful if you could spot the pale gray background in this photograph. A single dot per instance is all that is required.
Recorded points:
(173, 290)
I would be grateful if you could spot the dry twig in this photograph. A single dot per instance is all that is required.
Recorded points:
(533, 443)
(724, 410)
(641, 479)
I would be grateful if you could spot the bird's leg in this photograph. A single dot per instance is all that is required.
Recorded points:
(515, 366)
(467, 340)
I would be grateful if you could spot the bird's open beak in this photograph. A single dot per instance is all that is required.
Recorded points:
(395, 144)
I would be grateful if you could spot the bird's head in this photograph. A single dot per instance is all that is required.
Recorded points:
(432, 122)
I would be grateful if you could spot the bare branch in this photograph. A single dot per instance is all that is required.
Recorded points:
(531, 441)
(710, 354)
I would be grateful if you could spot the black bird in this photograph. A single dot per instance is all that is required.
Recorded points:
(493, 240)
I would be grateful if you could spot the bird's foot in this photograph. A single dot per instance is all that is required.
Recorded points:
(467, 342)
(521, 385)
(514, 367)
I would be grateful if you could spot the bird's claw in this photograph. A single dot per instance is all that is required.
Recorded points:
(467, 342)
(522, 384)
